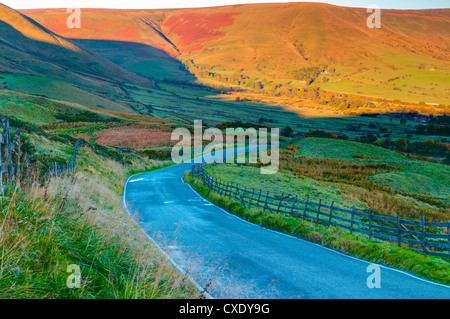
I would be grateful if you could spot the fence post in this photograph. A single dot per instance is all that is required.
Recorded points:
(353, 218)
(279, 204)
(236, 192)
(331, 213)
(18, 145)
(448, 235)
(399, 235)
(318, 210)
(243, 195)
(306, 207)
(424, 234)
(226, 188)
(259, 198)
(220, 189)
(370, 223)
(293, 205)
(7, 142)
(265, 203)
(251, 200)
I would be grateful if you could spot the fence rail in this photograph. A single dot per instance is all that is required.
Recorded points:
(11, 156)
(431, 238)
(60, 169)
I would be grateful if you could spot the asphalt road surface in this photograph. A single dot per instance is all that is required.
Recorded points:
(232, 258)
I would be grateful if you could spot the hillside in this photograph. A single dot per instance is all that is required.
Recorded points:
(35, 60)
(271, 44)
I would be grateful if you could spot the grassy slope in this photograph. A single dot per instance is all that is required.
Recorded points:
(92, 230)
(35, 60)
(412, 187)
(416, 176)
(77, 220)
(276, 39)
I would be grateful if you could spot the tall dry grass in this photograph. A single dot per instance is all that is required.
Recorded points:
(353, 180)
(79, 220)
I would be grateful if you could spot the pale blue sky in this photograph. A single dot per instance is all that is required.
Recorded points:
(155, 4)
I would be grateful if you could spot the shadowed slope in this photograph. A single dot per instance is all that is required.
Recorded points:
(37, 61)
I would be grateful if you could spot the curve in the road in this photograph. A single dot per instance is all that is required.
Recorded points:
(233, 258)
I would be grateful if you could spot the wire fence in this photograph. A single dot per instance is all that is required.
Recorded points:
(10, 153)
(61, 169)
(12, 159)
(431, 238)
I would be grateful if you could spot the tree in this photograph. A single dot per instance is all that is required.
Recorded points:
(401, 145)
(287, 131)
(447, 159)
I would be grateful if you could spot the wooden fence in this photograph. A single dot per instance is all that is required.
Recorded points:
(60, 169)
(10, 154)
(432, 238)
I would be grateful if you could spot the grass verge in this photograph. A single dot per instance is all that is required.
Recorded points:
(79, 220)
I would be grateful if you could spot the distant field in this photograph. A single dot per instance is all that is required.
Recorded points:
(416, 176)
(134, 137)
(26, 111)
(60, 91)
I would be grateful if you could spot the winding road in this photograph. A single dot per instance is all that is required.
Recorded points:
(236, 259)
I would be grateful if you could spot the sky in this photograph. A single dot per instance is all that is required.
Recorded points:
(158, 4)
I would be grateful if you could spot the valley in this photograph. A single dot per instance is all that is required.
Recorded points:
(364, 121)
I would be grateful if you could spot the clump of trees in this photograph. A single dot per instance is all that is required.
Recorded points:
(287, 131)
(428, 147)
(431, 129)
(308, 74)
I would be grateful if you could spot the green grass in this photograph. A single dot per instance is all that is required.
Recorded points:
(334, 238)
(326, 169)
(80, 220)
(42, 237)
(279, 183)
(60, 90)
(345, 150)
(416, 176)
(27, 112)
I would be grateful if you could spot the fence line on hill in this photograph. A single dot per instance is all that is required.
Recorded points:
(60, 169)
(10, 153)
(432, 238)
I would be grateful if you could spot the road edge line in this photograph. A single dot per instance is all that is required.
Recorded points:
(173, 262)
(335, 251)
